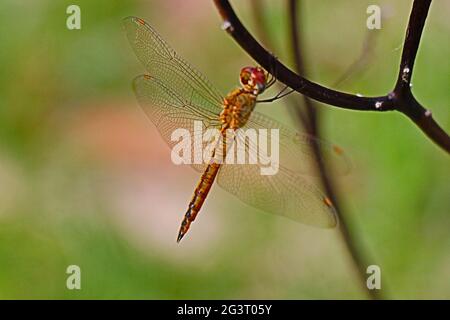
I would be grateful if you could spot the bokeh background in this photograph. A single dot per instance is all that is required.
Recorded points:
(85, 178)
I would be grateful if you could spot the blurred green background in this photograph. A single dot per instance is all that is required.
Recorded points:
(85, 178)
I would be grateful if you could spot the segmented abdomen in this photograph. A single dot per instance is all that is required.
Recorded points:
(200, 194)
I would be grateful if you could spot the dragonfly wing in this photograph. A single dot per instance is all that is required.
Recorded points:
(291, 191)
(174, 95)
(284, 194)
(169, 111)
(163, 63)
(295, 148)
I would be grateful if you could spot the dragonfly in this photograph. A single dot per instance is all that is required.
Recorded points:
(175, 95)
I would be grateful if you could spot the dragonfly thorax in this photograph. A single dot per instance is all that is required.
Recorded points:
(238, 105)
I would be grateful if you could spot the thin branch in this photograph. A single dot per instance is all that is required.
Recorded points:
(236, 29)
(411, 44)
(362, 60)
(406, 102)
(400, 99)
(324, 174)
(295, 107)
(312, 111)
(309, 119)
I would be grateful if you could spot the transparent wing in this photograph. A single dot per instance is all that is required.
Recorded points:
(171, 111)
(296, 148)
(289, 192)
(174, 95)
(163, 63)
(286, 194)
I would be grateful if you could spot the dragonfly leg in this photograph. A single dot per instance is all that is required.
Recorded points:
(279, 95)
(271, 81)
(272, 70)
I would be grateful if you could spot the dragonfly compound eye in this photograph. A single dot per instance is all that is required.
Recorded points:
(259, 79)
(246, 76)
(253, 79)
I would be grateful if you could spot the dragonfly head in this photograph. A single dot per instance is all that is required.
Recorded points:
(253, 79)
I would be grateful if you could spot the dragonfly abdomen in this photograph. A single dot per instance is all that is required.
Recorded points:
(200, 194)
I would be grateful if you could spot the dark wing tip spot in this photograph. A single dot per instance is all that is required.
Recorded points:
(327, 201)
(140, 21)
(338, 150)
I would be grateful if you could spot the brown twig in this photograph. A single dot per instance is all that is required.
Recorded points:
(325, 177)
(263, 32)
(364, 56)
(400, 99)
(309, 119)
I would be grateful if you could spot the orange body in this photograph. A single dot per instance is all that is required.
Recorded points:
(237, 107)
